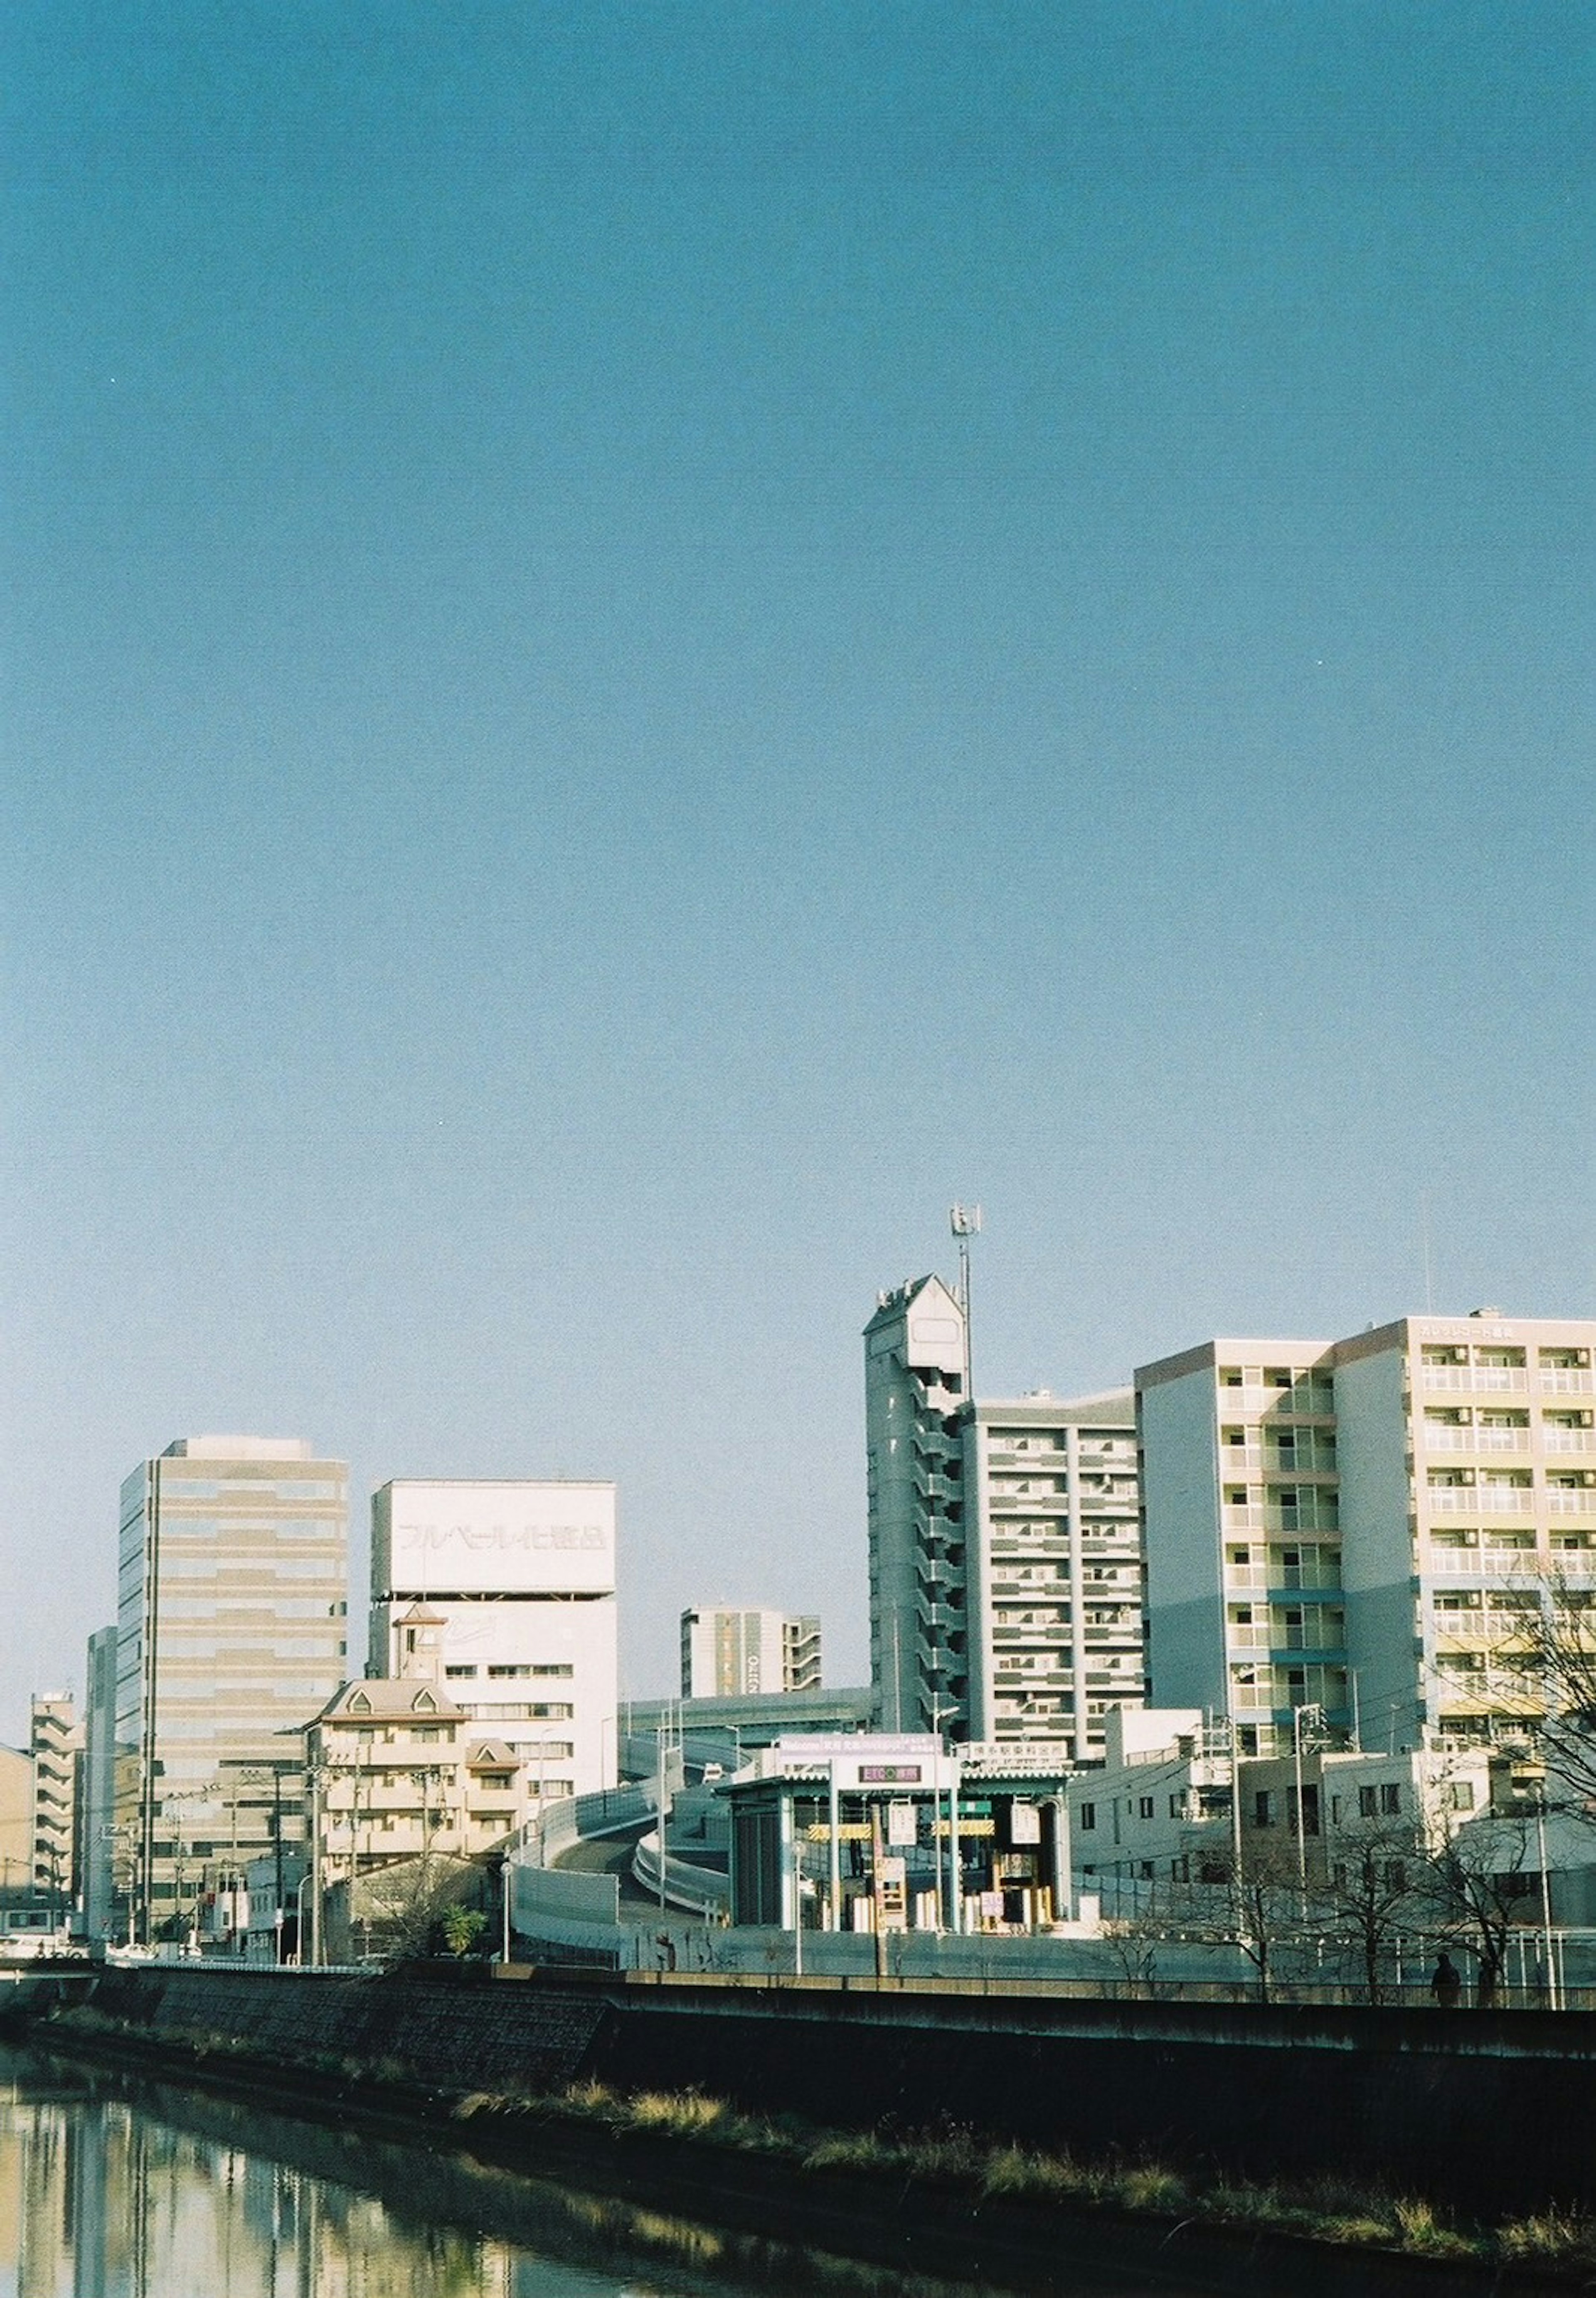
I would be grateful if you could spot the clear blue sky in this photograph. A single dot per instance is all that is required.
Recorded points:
(644, 640)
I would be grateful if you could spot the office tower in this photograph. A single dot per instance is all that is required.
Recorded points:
(55, 1742)
(729, 1651)
(1004, 1578)
(97, 1835)
(1368, 1524)
(231, 1636)
(522, 1576)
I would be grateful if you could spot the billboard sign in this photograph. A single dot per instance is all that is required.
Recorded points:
(441, 1540)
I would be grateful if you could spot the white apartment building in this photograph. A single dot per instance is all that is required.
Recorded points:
(731, 1651)
(231, 1635)
(1367, 1525)
(1155, 1826)
(1005, 1568)
(522, 1574)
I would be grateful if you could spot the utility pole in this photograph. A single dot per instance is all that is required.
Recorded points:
(1313, 1715)
(965, 1222)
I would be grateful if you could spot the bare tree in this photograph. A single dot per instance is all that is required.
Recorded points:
(1560, 1657)
(1372, 1895)
(405, 1902)
(1258, 1907)
(1474, 1885)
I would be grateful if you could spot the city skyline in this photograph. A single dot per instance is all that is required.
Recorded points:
(641, 649)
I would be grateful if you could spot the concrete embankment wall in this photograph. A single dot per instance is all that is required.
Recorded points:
(1489, 2111)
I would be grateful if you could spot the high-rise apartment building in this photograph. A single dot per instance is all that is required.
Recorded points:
(730, 1651)
(1055, 1570)
(914, 1392)
(522, 1576)
(230, 1637)
(1006, 1595)
(1368, 1524)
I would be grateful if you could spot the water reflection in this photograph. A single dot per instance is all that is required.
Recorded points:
(113, 2187)
(110, 2189)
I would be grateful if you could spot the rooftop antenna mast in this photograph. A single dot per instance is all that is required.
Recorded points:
(964, 1220)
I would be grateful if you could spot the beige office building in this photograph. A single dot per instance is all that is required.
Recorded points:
(231, 1636)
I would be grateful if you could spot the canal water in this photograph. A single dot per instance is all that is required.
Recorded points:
(116, 2189)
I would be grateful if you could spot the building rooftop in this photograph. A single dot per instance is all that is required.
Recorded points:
(239, 1448)
(385, 1698)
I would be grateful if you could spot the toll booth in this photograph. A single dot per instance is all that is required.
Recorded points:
(871, 1832)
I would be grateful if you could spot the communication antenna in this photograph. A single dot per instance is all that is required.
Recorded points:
(964, 1220)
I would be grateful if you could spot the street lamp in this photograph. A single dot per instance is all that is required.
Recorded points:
(299, 1919)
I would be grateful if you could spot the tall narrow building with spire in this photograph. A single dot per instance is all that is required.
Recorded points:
(1006, 1585)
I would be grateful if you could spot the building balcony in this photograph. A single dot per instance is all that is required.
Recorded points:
(1483, 1627)
(1477, 1440)
(1478, 1500)
(1565, 1380)
(1577, 1501)
(1569, 1440)
(1282, 1523)
(1495, 1563)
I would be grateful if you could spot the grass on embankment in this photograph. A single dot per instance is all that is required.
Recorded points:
(1337, 2213)
(1334, 2212)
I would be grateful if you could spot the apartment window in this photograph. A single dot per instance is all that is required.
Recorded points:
(1144, 1807)
(1263, 1808)
(1236, 1496)
(1177, 1806)
(1459, 1795)
(1088, 1817)
(459, 1672)
(1230, 1376)
(1369, 1803)
(1391, 1797)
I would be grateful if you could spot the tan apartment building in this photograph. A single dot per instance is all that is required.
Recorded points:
(1366, 1526)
